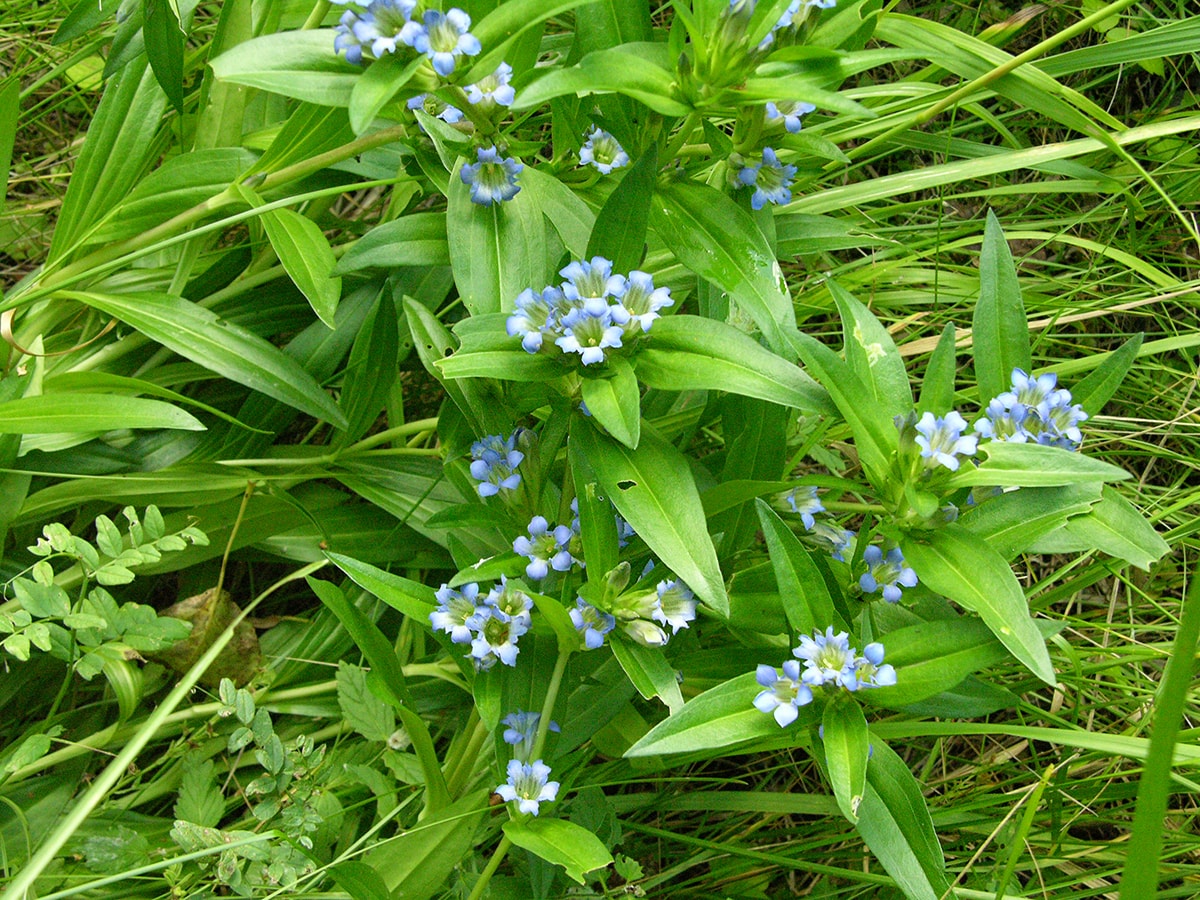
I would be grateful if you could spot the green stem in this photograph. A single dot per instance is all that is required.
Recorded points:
(317, 16)
(458, 774)
(560, 666)
(681, 136)
(493, 864)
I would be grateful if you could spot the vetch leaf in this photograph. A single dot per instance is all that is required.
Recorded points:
(307, 258)
(560, 842)
(998, 326)
(227, 349)
(615, 402)
(958, 564)
(362, 710)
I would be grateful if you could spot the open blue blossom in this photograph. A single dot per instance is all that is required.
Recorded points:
(529, 784)
(791, 113)
(676, 605)
(1061, 427)
(494, 462)
(435, 106)
(1004, 422)
(602, 151)
(641, 301)
(545, 549)
(886, 573)
(942, 441)
(1036, 409)
(521, 730)
(870, 669)
(590, 334)
(771, 180)
(783, 694)
(508, 603)
(535, 316)
(591, 285)
(377, 29)
(828, 659)
(492, 179)
(592, 623)
(456, 609)
(444, 37)
(803, 502)
(797, 11)
(495, 636)
(493, 89)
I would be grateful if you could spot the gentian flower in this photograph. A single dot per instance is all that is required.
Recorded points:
(790, 112)
(836, 540)
(455, 610)
(495, 637)
(1036, 409)
(1004, 422)
(535, 316)
(494, 88)
(444, 37)
(791, 16)
(508, 603)
(521, 730)
(590, 285)
(435, 106)
(941, 440)
(378, 28)
(783, 695)
(529, 784)
(676, 605)
(887, 573)
(491, 178)
(641, 300)
(591, 623)
(545, 549)
(590, 334)
(871, 670)
(494, 462)
(828, 659)
(804, 503)
(770, 179)
(603, 152)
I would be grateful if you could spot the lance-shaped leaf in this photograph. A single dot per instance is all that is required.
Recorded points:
(200, 335)
(1112, 526)
(694, 353)
(1010, 464)
(846, 746)
(719, 241)
(615, 402)
(937, 387)
(620, 231)
(648, 671)
(652, 488)
(803, 591)
(960, 565)
(1095, 390)
(414, 240)
(307, 258)
(998, 327)
(412, 598)
(298, 64)
(58, 413)
(872, 355)
(563, 843)
(630, 70)
(381, 81)
(1017, 520)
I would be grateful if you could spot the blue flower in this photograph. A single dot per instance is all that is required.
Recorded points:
(434, 106)
(834, 539)
(491, 178)
(1036, 409)
(590, 334)
(828, 659)
(641, 300)
(676, 605)
(870, 669)
(887, 573)
(455, 610)
(495, 637)
(790, 112)
(784, 694)
(590, 285)
(804, 503)
(1061, 426)
(770, 179)
(444, 38)
(494, 462)
(378, 28)
(603, 152)
(507, 603)
(791, 16)
(529, 784)
(521, 731)
(1004, 421)
(591, 623)
(941, 440)
(535, 316)
(545, 549)
(494, 88)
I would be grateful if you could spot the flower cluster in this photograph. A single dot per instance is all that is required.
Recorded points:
(771, 180)
(492, 178)
(548, 548)
(593, 311)
(886, 573)
(494, 462)
(829, 661)
(642, 615)
(1037, 410)
(803, 501)
(491, 626)
(602, 151)
(376, 29)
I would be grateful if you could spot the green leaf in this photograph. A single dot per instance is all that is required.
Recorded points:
(560, 842)
(230, 350)
(371, 370)
(803, 591)
(960, 565)
(597, 524)
(513, 365)
(418, 239)
(999, 329)
(164, 47)
(412, 598)
(937, 387)
(652, 488)
(361, 709)
(497, 251)
(311, 130)
(563, 209)
(10, 111)
(894, 821)
(85, 16)
(719, 241)
(615, 402)
(1096, 389)
(694, 353)
(79, 412)
(846, 747)
(872, 355)
(631, 70)
(200, 801)
(380, 82)
(1112, 526)
(1015, 521)
(620, 231)
(648, 671)
(722, 716)
(508, 21)
(359, 880)
(307, 258)
(297, 64)
(1010, 464)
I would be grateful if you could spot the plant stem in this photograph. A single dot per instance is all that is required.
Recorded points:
(493, 864)
(560, 666)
